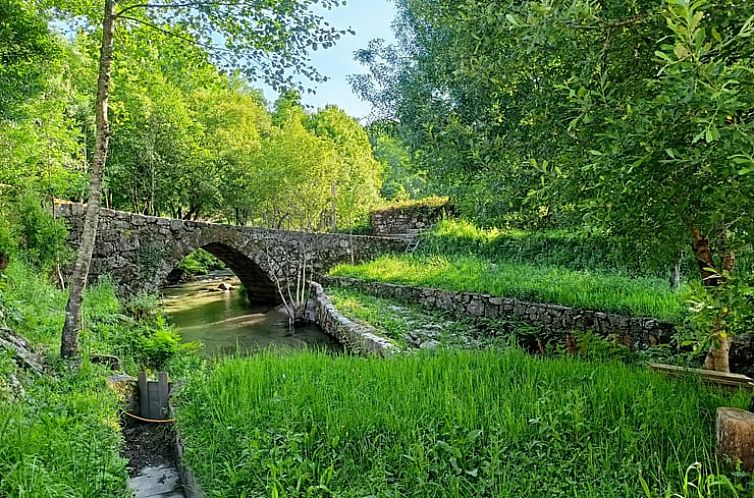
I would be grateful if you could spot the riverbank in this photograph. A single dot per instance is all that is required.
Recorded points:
(59, 431)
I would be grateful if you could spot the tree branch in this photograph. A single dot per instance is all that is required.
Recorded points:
(211, 48)
(179, 5)
(610, 24)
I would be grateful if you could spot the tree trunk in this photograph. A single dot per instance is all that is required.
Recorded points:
(69, 339)
(735, 437)
(703, 254)
(4, 260)
(719, 353)
(675, 274)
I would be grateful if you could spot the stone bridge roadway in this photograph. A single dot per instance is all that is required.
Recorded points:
(139, 252)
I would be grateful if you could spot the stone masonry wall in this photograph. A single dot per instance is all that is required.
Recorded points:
(638, 333)
(404, 220)
(140, 251)
(356, 338)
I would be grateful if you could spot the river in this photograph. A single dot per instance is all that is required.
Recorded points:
(226, 323)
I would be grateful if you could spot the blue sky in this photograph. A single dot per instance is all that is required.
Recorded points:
(370, 19)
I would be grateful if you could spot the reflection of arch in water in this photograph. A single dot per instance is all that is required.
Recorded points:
(258, 283)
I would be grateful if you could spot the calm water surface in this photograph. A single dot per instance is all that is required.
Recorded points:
(225, 321)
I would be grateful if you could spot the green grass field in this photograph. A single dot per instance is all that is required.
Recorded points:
(454, 424)
(613, 292)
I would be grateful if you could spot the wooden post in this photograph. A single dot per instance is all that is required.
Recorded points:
(143, 395)
(735, 436)
(163, 388)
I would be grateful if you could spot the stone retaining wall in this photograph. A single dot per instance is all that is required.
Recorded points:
(403, 220)
(638, 333)
(355, 337)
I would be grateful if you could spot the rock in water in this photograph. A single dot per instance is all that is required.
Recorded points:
(225, 286)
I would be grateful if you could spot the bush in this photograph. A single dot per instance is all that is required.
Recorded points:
(28, 227)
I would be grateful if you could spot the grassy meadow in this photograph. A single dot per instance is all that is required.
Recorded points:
(453, 424)
(601, 290)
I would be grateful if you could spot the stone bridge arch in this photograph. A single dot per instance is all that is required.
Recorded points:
(254, 274)
(139, 252)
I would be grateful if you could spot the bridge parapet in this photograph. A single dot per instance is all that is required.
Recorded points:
(139, 252)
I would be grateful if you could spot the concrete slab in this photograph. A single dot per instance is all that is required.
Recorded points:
(157, 482)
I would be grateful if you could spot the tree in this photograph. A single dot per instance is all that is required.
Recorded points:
(25, 43)
(634, 117)
(271, 37)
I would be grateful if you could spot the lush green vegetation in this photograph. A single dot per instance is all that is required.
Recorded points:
(425, 203)
(595, 290)
(555, 115)
(574, 248)
(59, 431)
(61, 438)
(451, 424)
(187, 139)
(200, 262)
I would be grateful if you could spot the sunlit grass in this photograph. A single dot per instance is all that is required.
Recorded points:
(580, 288)
(455, 424)
(574, 248)
(61, 438)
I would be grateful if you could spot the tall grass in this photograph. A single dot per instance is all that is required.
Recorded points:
(455, 424)
(577, 249)
(60, 438)
(605, 291)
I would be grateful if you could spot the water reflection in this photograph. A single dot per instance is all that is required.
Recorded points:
(226, 323)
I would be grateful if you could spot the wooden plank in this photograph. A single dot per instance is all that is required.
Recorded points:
(712, 376)
(154, 402)
(143, 395)
(163, 390)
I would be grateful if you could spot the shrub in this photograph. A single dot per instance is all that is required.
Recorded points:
(41, 237)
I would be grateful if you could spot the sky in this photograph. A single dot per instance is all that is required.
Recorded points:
(370, 19)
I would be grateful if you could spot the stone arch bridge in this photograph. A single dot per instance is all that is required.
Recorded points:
(139, 252)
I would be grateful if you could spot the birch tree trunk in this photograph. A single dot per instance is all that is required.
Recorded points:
(77, 284)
